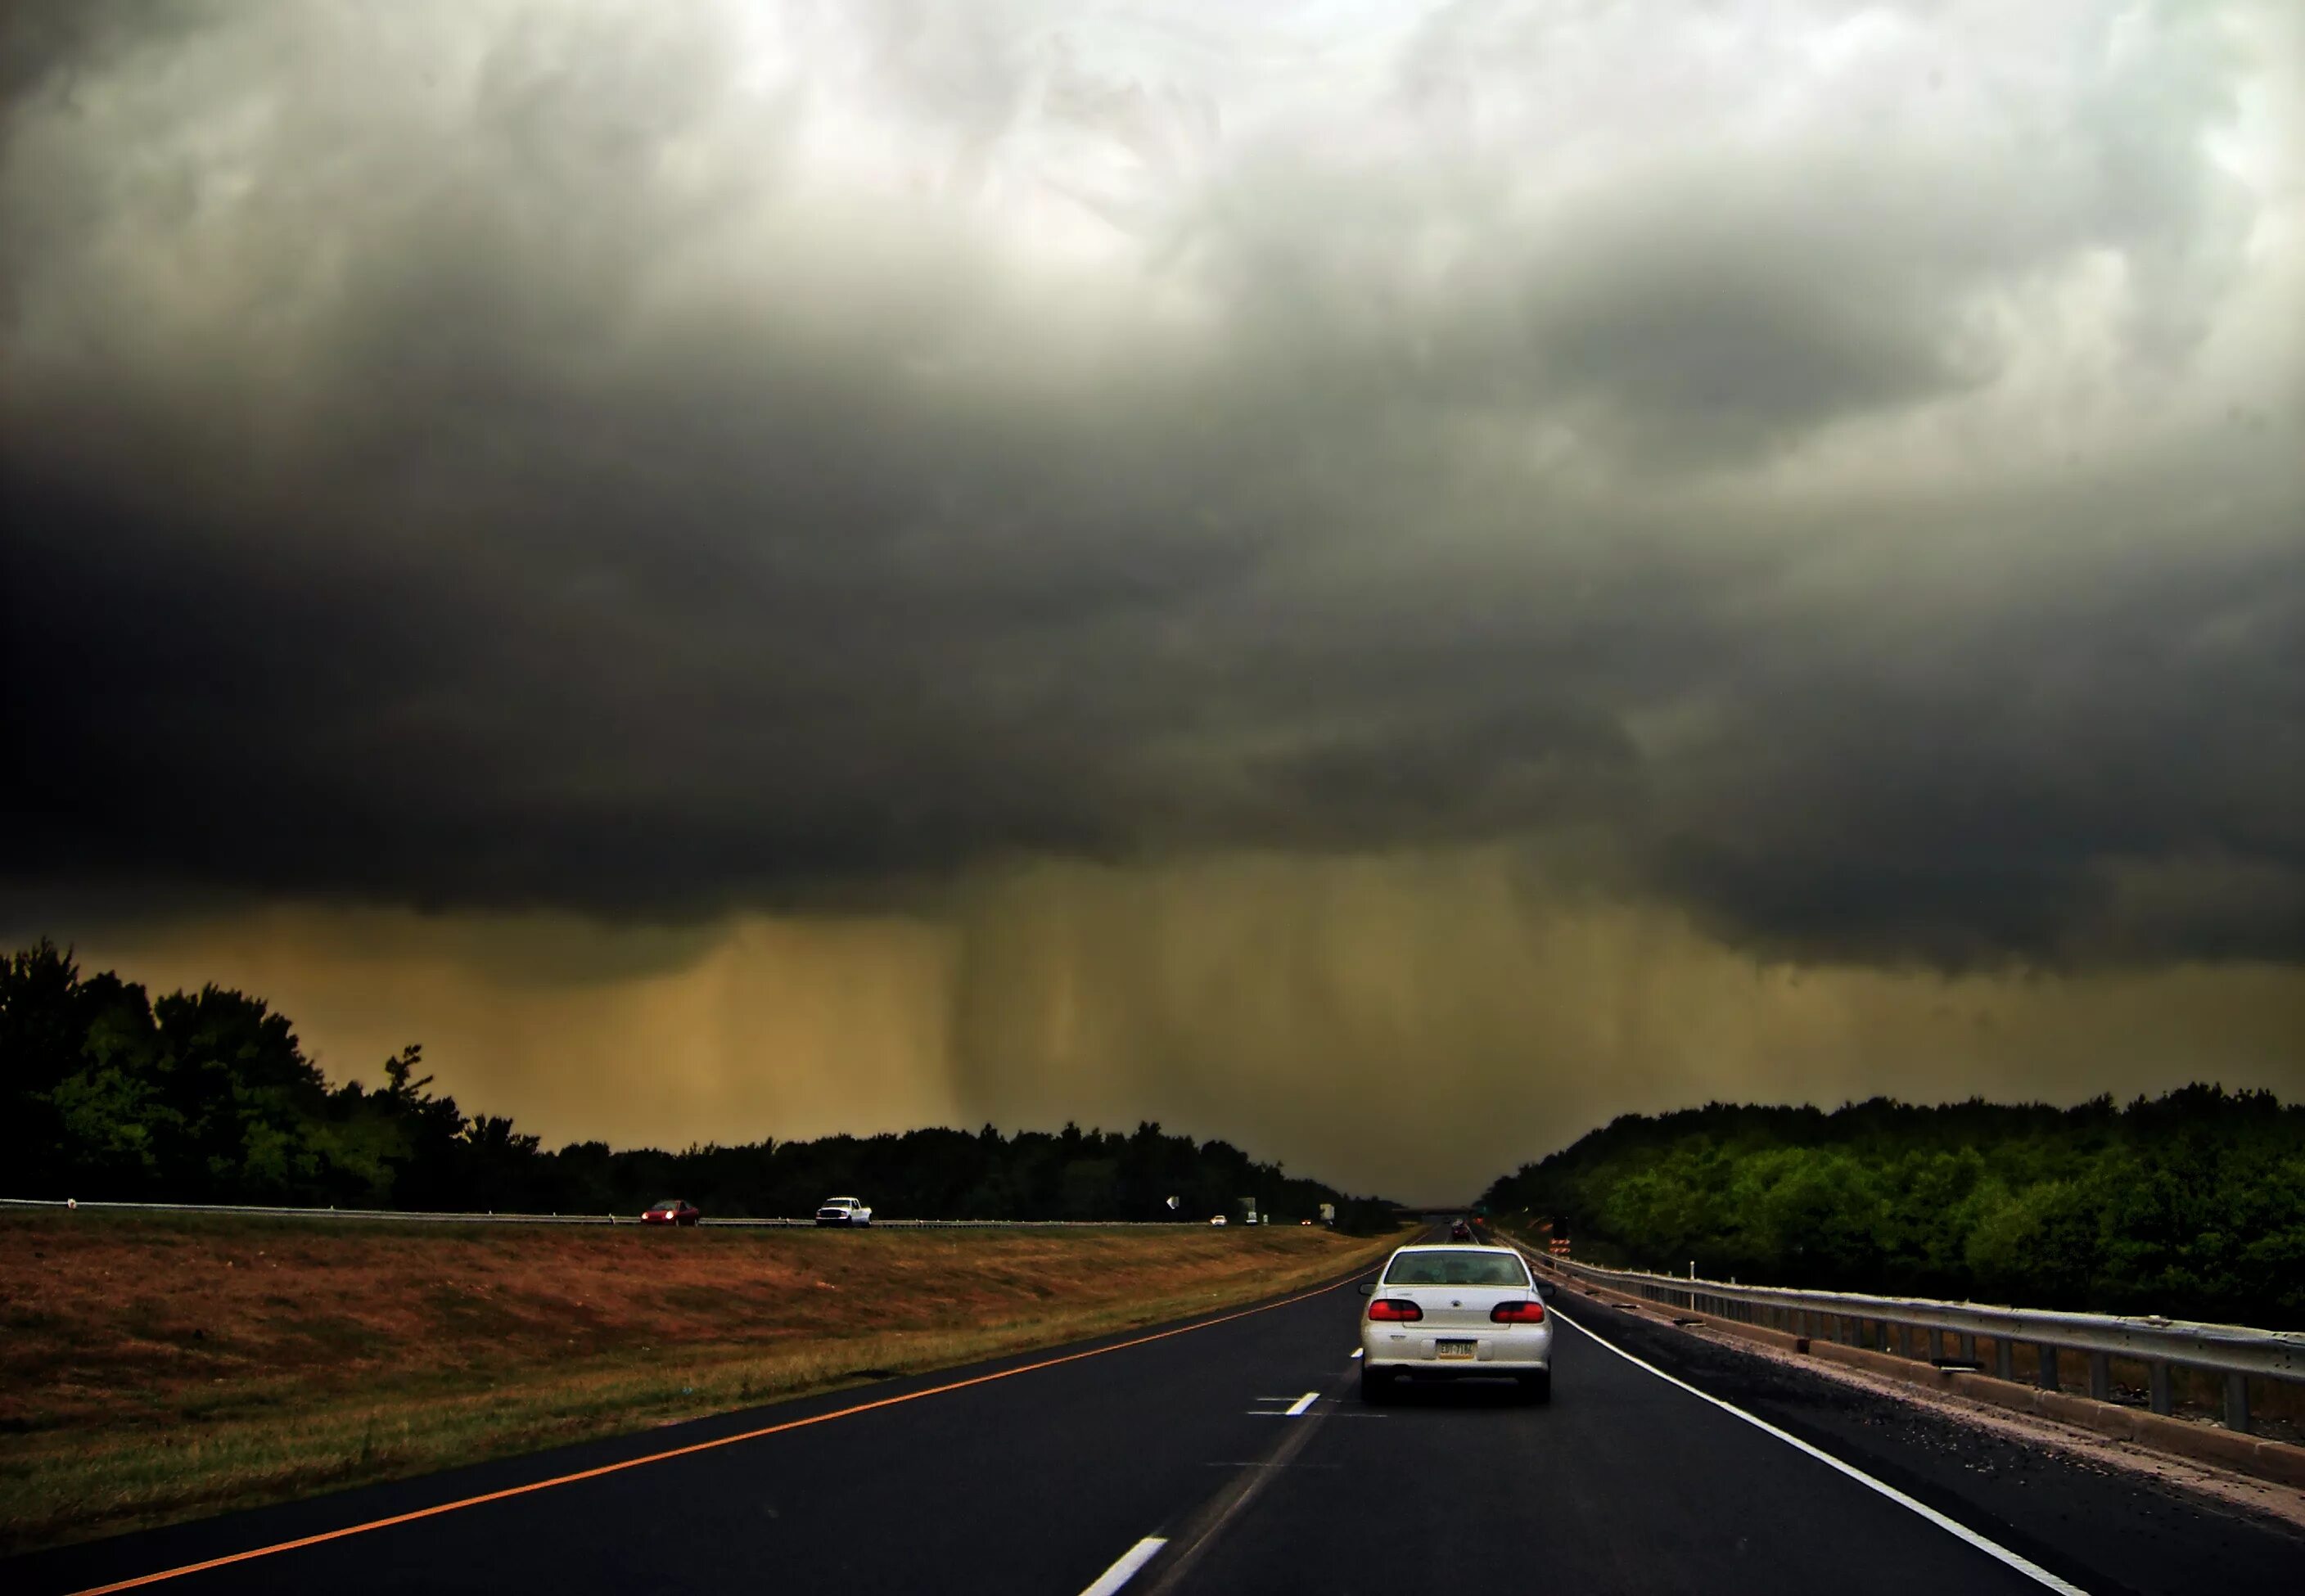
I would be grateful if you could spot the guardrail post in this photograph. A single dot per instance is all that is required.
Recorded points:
(2045, 1375)
(1965, 1346)
(2004, 1358)
(2157, 1383)
(2237, 1402)
(2100, 1377)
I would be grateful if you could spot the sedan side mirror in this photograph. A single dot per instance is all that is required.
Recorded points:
(1368, 1288)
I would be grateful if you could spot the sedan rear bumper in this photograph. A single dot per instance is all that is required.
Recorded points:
(1437, 1373)
(1494, 1353)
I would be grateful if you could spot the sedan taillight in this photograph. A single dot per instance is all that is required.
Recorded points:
(1396, 1308)
(1528, 1312)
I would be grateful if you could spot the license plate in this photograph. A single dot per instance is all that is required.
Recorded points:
(1453, 1349)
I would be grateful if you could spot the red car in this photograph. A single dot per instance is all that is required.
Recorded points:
(672, 1210)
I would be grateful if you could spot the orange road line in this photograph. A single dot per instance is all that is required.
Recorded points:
(726, 1440)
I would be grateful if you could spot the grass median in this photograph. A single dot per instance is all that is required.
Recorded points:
(157, 1367)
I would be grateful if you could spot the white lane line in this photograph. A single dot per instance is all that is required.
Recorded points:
(1990, 1548)
(1298, 1406)
(1126, 1565)
(1356, 1352)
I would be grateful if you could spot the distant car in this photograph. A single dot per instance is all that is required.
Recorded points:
(843, 1210)
(1460, 1231)
(1220, 1220)
(1455, 1312)
(672, 1210)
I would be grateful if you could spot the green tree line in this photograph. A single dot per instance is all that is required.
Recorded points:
(106, 1092)
(2190, 1205)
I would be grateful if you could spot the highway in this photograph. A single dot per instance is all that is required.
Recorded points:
(1231, 1454)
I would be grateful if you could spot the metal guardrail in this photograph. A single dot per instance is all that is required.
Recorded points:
(2236, 1352)
(416, 1217)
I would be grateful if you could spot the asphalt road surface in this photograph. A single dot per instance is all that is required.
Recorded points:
(1234, 1457)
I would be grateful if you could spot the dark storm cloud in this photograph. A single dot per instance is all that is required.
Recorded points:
(649, 462)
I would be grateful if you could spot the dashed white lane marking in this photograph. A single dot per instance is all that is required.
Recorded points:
(1990, 1548)
(1298, 1407)
(1126, 1566)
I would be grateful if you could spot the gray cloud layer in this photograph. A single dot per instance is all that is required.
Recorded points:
(1835, 473)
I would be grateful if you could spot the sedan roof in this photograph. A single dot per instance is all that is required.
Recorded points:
(1454, 1248)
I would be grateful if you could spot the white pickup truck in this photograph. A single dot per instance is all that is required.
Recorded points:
(843, 1211)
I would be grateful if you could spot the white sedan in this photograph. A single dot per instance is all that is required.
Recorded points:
(1455, 1312)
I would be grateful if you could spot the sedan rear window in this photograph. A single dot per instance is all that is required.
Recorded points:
(1456, 1269)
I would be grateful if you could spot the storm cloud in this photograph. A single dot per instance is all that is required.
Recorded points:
(1826, 476)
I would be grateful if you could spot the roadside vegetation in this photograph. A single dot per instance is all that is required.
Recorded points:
(160, 1367)
(2190, 1205)
(107, 1092)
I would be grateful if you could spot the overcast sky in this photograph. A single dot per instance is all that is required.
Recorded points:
(1386, 581)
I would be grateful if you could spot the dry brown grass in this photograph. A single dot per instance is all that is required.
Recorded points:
(154, 1368)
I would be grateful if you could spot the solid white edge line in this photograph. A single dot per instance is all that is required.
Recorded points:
(1990, 1548)
(1298, 1407)
(1126, 1565)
